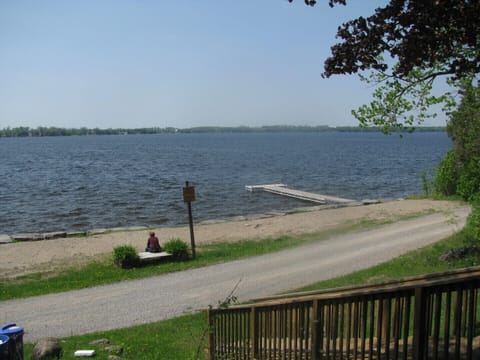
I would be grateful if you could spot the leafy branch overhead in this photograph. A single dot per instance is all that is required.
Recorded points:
(402, 102)
(415, 33)
(406, 45)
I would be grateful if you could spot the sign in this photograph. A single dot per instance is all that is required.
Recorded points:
(188, 197)
(188, 194)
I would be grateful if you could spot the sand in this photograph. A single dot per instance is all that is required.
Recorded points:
(50, 256)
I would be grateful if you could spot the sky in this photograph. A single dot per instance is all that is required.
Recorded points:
(158, 63)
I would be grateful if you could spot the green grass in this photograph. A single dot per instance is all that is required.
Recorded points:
(103, 271)
(424, 261)
(183, 337)
(174, 339)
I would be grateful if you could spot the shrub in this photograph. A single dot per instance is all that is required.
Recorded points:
(469, 183)
(446, 179)
(426, 183)
(472, 229)
(178, 248)
(125, 256)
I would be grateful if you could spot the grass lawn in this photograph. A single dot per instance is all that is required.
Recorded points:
(184, 337)
(103, 271)
(175, 339)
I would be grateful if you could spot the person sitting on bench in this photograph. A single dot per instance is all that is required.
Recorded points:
(153, 244)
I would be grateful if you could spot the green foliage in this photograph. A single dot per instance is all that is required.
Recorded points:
(401, 103)
(421, 261)
(407, 45)
(446, 179)
(178, 248)
(411, 34)
(472, 229)
(464, 123)
(469, 182)
(125, 256)
(426, 183)
(459, 172)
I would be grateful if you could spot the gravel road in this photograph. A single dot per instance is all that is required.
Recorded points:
(148, 300)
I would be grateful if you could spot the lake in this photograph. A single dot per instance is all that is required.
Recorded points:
(84, 182)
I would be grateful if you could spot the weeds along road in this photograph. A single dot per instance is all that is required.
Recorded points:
(148, 300)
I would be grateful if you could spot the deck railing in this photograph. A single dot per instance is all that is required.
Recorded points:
(428, 317)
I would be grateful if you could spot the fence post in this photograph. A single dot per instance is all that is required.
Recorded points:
(315, 330)
(254, 333)
(420, 334)
(211, 338)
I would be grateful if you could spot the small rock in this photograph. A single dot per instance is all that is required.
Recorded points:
(460, 253)
(114, 349)
(114, 357)
(48, 348)
(100, 342)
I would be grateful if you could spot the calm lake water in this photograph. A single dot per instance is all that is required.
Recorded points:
(81, 183)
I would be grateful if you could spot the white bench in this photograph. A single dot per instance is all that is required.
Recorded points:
(152, 257)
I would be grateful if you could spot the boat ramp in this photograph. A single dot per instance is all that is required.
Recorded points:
(282, 189)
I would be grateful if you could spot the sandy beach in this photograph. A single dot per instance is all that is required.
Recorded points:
(47, 256)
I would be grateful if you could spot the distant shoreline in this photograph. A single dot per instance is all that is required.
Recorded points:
(55, 131)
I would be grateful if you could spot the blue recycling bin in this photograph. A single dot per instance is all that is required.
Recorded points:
(15, 333)
(4, 343)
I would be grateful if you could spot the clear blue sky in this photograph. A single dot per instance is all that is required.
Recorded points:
(144, 63)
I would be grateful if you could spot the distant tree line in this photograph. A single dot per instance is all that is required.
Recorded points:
(56, 131)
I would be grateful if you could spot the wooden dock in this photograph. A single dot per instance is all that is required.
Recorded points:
(282, 189)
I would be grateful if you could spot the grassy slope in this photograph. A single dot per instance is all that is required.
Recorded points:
(180, 338)
(184, 337)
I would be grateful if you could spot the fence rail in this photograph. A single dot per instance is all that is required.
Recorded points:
(429, 317)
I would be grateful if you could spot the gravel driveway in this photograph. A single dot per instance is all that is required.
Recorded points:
(148, 300)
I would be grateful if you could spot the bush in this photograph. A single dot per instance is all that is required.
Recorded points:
(178, 248)
(469, 183)
(125, 256)
(472, 229)
(426, 183)
(447, 175)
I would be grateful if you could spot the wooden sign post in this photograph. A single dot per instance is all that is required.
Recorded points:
(188, 197)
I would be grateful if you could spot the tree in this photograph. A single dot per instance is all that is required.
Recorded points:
(402, 102)
(406, 45)
(416, 33)
(464, 124)
(459, 171)
(464, 129)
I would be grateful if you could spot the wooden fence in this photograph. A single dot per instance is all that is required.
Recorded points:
(428, 317)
